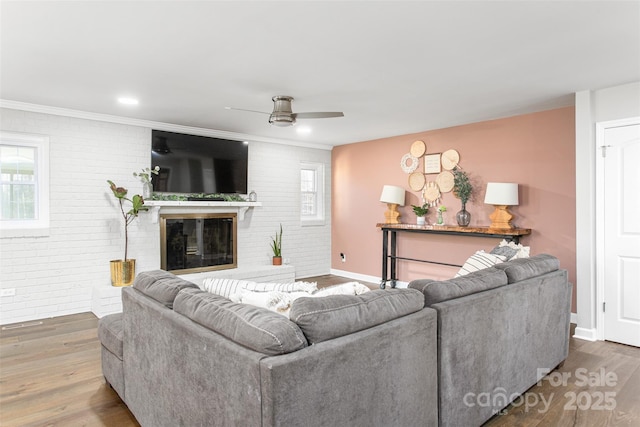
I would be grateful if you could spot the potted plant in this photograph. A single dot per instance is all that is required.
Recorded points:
(462, 189)
(146, 177)
(441, 209)
(420, 212)
(123, 271)
(276, 247)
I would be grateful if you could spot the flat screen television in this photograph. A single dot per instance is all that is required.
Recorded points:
(198, 164)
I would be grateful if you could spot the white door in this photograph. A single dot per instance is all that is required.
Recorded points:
(622, 234)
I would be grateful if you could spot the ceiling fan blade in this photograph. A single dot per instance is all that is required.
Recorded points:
(318, 115)
(244, 109)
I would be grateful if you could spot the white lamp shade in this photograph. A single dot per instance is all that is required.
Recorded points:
(392, 194)
(501, 193)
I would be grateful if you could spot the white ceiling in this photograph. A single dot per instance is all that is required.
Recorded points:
(392, 67)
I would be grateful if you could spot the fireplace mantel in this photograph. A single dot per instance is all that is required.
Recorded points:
(171, 207)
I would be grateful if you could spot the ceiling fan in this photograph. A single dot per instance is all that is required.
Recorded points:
(283, 116)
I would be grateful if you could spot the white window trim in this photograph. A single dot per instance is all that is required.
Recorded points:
(319, 218)
(36, 227)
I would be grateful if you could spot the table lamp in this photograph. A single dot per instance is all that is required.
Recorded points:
(393, 196)
(501, 195)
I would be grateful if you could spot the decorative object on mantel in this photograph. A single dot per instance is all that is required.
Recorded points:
(431, 193)
(420, 212)
(462, 189)
(445, 181)
(418, 149)
(417, 181)
(409, 163)
(123, 271)
(432, 163)
(393, 196)
(441, 209)
(253, 197)
(501, 195)
(197, 196)
(146, 178)
(450, 159)
(276, 247)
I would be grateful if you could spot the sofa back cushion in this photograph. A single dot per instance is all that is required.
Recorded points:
(435, 291)
(161, 286)
(253, 327)
(324, 318)
(525, 268)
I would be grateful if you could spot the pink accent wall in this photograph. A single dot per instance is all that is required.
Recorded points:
(535, 150)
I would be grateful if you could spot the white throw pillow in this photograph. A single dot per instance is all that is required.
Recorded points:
(228, 287)
(349, 288)
(522, 251)
(224, 287)
(479, 261)
(308, 287)
(281, 302)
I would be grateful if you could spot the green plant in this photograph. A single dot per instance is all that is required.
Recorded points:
(137, 206)
(442, 208)
(276, 243)
(462, 187)
(145, 175)
(420, 210)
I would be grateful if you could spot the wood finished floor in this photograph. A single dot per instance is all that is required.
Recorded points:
(50, 375)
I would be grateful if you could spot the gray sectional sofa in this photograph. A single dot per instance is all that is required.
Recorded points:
(179, 356)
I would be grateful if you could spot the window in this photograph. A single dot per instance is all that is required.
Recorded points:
(24, 192)
(312, 193)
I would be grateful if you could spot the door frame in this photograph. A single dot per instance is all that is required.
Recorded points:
(601, 127)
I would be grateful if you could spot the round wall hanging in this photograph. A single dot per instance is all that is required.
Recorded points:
(417, 181)
(431, 192)
(418, 148)
(450, 159)
(445, 181)
(409, 163)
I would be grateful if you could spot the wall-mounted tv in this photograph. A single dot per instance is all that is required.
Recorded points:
(198, 164)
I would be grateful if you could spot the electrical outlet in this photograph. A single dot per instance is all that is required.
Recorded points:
(8, 292)
(343, 257)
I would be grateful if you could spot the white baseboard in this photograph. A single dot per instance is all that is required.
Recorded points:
(364, 277)
(585, 334)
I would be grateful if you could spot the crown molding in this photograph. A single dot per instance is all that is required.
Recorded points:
(170, 127)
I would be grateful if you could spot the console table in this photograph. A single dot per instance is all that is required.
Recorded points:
(389, 237)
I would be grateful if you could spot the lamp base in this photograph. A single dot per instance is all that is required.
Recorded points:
(392, 216)
(501, 218)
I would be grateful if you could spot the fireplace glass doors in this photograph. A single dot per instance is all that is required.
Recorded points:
(198, 242)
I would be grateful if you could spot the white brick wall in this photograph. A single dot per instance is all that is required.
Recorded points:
(55, 275)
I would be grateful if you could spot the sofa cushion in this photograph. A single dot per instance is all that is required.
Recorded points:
(324, 318)
(524, 268)
(253, 327)
(435, 291)
(161, 285)
(110, 333)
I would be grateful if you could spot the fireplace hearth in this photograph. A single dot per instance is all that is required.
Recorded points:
(196, 242)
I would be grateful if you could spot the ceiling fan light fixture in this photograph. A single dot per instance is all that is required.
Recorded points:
(282, 119)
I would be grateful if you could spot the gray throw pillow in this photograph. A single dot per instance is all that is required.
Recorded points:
(504, 251)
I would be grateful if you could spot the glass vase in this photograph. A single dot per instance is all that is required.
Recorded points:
(463, 217)
(440, 219)
(147, 190)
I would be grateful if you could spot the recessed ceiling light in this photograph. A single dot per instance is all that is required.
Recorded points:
(127, 100)
(303, 130)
